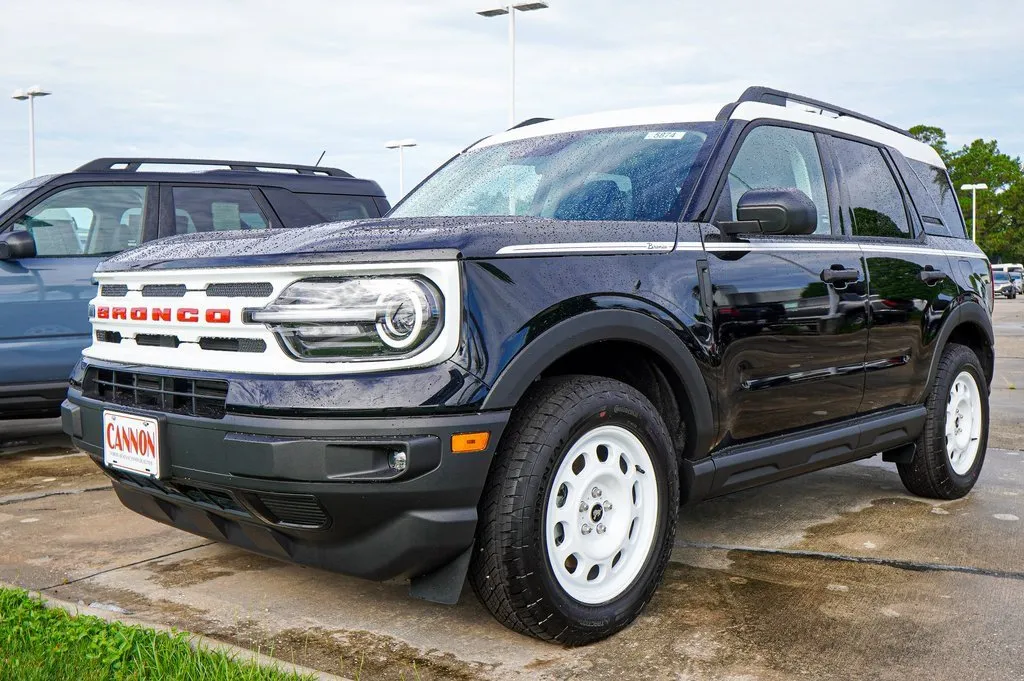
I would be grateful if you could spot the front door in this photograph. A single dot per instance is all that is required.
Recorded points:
(790, 311)
(44, 321)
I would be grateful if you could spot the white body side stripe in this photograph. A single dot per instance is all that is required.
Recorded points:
(588, 247)
(610, 247)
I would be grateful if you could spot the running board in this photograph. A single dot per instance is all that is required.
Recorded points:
(747, 465)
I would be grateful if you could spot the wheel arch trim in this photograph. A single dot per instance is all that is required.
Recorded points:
(969, 313)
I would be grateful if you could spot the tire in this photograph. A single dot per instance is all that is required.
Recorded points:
(518, 570)
(946, 466)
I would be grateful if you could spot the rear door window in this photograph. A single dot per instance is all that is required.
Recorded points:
(875, 204)
(216, 209)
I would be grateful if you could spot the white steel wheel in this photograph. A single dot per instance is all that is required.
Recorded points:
(601, 515)
(963, 422)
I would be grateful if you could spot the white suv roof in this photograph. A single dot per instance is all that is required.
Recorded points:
(751, 106)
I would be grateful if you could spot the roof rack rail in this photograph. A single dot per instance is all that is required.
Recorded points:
(767, 95)
(132, 165)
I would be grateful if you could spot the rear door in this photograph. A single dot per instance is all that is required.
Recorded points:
(790, 315)
(909, 291)
(44, 323)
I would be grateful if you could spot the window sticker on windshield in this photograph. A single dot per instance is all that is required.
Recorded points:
(665, 135)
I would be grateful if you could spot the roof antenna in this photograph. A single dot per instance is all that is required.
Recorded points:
(320, 159)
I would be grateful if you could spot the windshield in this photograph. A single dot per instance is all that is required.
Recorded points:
(11, 197)
(643, 174)
(1001, 277)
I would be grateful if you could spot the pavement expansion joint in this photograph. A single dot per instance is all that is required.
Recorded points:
(913, 566)
(127, 565)
(32, 496)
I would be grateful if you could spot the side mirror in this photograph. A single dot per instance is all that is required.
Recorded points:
(17, 245)
(773, 211)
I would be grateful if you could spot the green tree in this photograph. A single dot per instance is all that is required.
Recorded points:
(935, 137)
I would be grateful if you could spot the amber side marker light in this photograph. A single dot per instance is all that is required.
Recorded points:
(466, 443)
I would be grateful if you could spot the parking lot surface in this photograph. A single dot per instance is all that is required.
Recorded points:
(835, 575)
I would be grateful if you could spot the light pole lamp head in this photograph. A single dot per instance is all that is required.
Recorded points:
(36, 91)
(398, 144)
(20, 95)
(969, 187)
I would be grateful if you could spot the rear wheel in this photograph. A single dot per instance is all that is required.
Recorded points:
(951, 449)
(579, 513)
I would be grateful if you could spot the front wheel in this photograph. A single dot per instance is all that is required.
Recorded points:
(579, 514)
(951, 449)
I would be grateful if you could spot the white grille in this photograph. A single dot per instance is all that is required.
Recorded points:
(205, 344)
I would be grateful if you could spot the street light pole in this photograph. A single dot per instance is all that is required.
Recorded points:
(510, 11)
(974, 206)
(30, 94)
(400, 145)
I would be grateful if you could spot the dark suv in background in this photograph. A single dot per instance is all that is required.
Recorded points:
(55, 230)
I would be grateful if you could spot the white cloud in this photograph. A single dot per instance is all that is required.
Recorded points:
(278, 81)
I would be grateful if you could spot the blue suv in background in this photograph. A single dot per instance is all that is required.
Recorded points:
(55, 230)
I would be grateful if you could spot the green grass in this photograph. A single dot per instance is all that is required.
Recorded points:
(46, 644)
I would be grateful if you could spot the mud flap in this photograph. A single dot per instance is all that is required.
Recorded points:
(443, 585)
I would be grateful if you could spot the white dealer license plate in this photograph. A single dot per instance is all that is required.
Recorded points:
(131, 443)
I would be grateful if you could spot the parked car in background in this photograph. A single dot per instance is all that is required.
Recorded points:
(1002, 285)
(1018, 280)
(55, 230)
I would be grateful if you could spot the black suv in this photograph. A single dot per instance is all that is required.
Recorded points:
(55, 230)
(563, 333)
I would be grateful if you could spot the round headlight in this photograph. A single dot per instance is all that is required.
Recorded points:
(402, 316)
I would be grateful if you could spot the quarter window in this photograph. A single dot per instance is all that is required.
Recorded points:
(876, 205)
(338, 207)
(936, 181)
(86, 221)
(216, 209)
(772, 157)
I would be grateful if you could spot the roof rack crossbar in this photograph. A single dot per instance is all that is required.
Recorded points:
(767, 95)
(132, 164)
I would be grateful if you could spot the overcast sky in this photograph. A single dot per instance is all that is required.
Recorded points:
(282, 81)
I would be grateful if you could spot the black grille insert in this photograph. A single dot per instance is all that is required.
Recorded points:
(172, 394)
(298, 510)
(233, 344)
(157, 340)
(163, 290)
(104, 336)
(114, 290)
(255, 289)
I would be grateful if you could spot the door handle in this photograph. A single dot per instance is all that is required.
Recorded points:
(932, 276)
(837, 274)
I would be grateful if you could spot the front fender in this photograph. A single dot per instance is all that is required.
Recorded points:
(652, 328)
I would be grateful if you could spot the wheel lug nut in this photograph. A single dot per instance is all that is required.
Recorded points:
(607, 505)
(601, 528)
(583, 507)
(596, 493)
(585, 529)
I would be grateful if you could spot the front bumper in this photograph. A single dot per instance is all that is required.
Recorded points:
(316, 491)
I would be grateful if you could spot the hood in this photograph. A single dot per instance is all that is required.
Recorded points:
(445, 238)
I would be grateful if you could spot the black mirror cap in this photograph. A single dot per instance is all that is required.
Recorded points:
(774, 211)
(17, 245)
